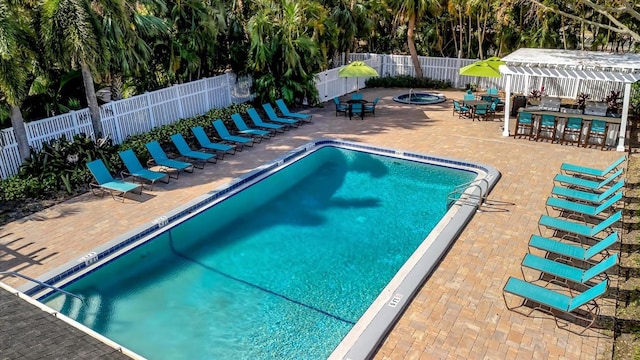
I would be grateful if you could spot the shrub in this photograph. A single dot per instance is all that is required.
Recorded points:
(407, 81)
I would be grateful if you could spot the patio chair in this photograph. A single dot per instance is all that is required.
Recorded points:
(486, 98)
(287, 113)
(244, 129)
(581, 208)
(581, 306)
(524, 125)
(138, 172)
(598, 130)
(340, 107)
(586, 230)
(575, 181)
(224, 134)
(492, 91)
(106, 183)
(572, 129)
(469, 96)
(547, 127)
(481, 111)
(356, 109)
(568, 272)
(587, 196)
(160, 158)
(461, 109)
(257, 121)
(356, 96)
(271, 114)
(371, 108)
(583, 170)
(570, 251)
(206, 143)
(189, 154)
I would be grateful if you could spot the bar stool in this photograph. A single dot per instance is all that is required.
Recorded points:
(546, 126)
(573, 127)
(598, 130)
(524, 125)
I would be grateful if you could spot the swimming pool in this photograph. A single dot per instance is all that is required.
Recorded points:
(237, 263)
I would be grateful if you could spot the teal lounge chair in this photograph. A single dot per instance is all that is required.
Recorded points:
(568, 272)
(271, 114)
(257, 121)
(585, 183)
(548, 300)
(582, 208)
(587, 196)
(587, 230)
(106, 183)
(137, 171)
(287, 113)
(573, 251)
(582, 170)
(206, 143)
(246, 130)
(224, 134)
(161, 159)
(192, 155)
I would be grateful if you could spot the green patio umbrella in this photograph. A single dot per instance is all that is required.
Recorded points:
(483, 68)
(357, 69)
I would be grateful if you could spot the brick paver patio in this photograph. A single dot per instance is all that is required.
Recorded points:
(459, 312)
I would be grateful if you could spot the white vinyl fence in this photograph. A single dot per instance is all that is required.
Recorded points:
(123, 118)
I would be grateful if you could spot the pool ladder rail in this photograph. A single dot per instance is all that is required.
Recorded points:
(410, 94)
(462, 196)
(17, 274)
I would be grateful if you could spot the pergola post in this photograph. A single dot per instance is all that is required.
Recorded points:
(507, 106)
(625, 114)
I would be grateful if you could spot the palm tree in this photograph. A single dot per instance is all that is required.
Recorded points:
(72, 38)
(410, 11)
(14, 67)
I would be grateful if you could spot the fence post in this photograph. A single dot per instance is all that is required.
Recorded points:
(229, 88)
(116, 123)
(152, 118)
(206, 94)
(180, 111)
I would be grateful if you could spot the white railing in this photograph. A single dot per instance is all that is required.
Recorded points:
(123, 118)
(126, 117)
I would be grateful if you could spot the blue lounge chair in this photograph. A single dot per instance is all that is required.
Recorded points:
(271, 114)
(287, 113)
(246, 130)
(549, 300)
(582, 170)
(568, 272)
(137, 171)
(106, 183)
(192, 155)
(340, 107)
(582, 208)
(573, 251)
(586, 230)
(588, 196)
(224, 134)
(257, 121)
(206, 143)
(161, 159)
(371, 108)
(585, 183)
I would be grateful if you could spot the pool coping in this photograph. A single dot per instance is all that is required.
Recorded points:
(370, 330)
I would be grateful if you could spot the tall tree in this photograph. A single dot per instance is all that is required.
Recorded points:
(15, 55)
(410, 11)
(72, 38)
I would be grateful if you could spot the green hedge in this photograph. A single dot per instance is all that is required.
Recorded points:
(407, 81)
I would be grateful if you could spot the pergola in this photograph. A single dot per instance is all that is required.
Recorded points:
(572, 64)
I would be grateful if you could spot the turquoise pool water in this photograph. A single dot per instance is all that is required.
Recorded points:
(282, 269)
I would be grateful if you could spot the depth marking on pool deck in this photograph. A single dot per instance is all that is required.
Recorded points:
(395, 300)
(89, 258)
